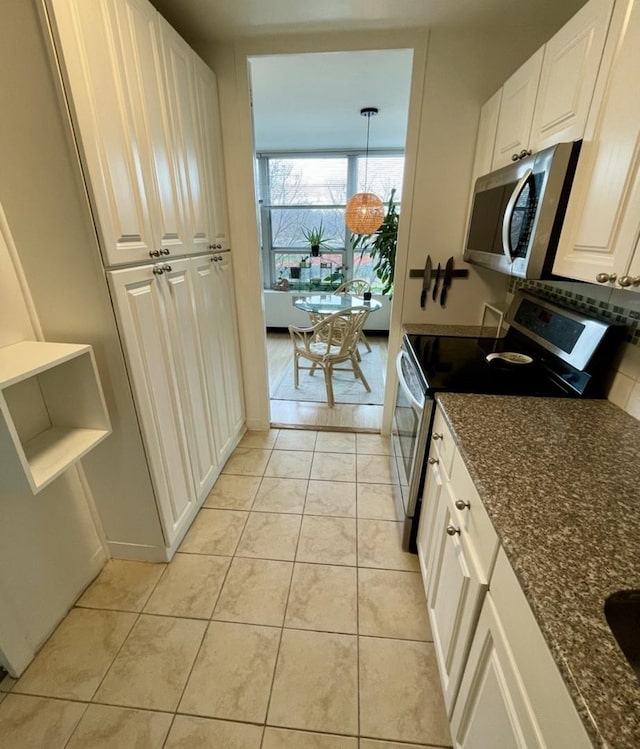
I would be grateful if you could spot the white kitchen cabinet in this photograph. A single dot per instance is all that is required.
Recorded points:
(599, 239)
(568, 78)
(516, 111)
(511, 694)
(425, 536)
(146, 334)
(215, 303)
(486, 140)
(211, 133)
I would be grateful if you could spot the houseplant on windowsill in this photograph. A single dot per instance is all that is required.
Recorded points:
(316, 239)
(382, 246)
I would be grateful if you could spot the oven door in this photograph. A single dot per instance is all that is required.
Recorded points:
(412, 417)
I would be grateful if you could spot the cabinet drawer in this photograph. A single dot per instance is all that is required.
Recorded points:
(472, 517)
(442, 442)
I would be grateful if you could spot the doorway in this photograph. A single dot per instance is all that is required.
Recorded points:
(311, 155)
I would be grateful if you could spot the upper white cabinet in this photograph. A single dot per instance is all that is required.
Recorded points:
(547, 100)
(134, 95)
(600, 233)
(486, 140)
(516, 112)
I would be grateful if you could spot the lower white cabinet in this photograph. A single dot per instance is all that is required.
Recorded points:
(177, 343)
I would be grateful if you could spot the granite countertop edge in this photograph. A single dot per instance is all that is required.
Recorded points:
(606, 694)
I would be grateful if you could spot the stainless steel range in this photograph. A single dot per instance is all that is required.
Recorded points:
(548, 351)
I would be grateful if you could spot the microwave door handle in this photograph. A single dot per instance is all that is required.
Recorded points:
(416, 405)
(508, 214)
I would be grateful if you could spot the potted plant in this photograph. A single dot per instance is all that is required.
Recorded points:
(382, 246)
(316, 238)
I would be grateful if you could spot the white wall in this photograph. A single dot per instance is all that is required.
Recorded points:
(50, 548)
(43, 196)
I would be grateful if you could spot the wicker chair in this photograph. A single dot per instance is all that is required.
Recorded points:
(333, 340)
(356, 287)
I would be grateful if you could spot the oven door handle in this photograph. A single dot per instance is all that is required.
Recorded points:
(508, 214)
(415, 404)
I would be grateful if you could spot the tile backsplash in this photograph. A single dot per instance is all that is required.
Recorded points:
(613, 305)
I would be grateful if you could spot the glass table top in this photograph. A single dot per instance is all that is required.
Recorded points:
(326, 304)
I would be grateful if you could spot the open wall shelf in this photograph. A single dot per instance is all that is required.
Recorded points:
(52, 411)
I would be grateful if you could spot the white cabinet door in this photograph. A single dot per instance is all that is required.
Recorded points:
(516, 111)
(602, 223)
(426, 529)
(181, 95)
(215, 300)
(486, 140)
(145, 331)
(213, 161)
(454, 595)
(178, 293)
(569, 70)
(492, 709)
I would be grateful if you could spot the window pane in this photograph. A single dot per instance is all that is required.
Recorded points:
(288, 225)
(300, 181)
(363, 268)
(383, 174)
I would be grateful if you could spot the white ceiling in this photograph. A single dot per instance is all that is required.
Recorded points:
(206, 20)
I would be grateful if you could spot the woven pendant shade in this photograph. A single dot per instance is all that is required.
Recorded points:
(364, 213)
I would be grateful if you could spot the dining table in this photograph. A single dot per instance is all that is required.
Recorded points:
(327, 304)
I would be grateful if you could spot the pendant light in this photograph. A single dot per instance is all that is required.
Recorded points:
(364, 212)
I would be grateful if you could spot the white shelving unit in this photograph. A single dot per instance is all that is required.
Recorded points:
(52, 411)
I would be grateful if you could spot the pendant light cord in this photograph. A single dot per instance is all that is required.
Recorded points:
(366, 156)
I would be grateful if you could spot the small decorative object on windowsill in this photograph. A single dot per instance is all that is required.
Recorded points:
(364, 212)
(316, 239)
(294, 272)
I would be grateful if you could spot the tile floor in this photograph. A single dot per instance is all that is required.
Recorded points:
(290, 618)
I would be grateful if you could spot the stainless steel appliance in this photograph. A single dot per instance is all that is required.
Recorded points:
(548, 351)
(517, 213)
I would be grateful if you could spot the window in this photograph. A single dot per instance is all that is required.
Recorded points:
(303, 191)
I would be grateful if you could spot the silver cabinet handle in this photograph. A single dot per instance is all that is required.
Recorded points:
(433, 461)
(462, 505)
(452, 530)
(626, 281)
(437, 436)
(215, 246)
(524, 153)
(167, 268)
(606, 277)
(165, 251)
(514, 157)
(154, 253)
(158, 271)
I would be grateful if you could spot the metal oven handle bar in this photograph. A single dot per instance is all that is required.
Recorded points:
(508, 214)
(415, 404)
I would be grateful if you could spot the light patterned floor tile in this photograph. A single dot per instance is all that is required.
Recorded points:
(315, 685)
(281, 495)
(233, 492)
(154, 663)
(374, 744)
(392, 604)
(255, 592)
(122, 585)
(283, 738)
(242, 658)
(331, 498)
(289, 464)
(375, 469)
(188, 732)
(264, 440)
(379, 501)
(334, 467)
(400, 697)
(324, 598)
(296, 439)
(373, 444)
(336, 442)
(189, 586)
(380, 545)
(270, 535)
(327, 540)
(105, 727)
(37, 723)
(78, 654)
(7, 684)
(214, 532)
(247, 461)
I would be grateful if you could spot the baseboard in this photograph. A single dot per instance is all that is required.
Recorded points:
(138, 552)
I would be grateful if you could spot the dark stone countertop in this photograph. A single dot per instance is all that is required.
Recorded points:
(560, 479)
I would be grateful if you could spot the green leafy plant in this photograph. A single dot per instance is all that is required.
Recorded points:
(382, 245)
(315, 236)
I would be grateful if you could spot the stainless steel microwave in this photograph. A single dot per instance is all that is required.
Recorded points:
(517, 213)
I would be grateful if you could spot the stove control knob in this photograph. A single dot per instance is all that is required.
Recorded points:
(462, 505)
(437, 436)
(433, 461)
(606, 277)
(451, 530)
